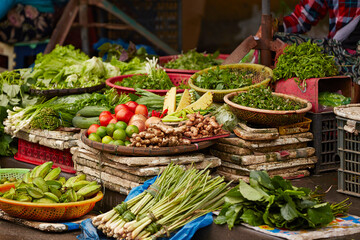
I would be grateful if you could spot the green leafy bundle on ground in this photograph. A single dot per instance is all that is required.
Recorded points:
(304, 61)
(277, 203)
(262, 98)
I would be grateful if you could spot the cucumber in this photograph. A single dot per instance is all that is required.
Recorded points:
(91, 111)
(83, 122)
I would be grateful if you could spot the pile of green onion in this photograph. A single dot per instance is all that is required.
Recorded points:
(176, 198)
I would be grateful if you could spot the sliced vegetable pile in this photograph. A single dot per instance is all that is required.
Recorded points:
(43, 185)
(304, 61)
(221, 79)
(262, 98)
(193, 60)
(277, 203)
(66, 67)
(176, 198)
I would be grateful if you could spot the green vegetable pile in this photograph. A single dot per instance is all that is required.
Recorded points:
(262, 98)
(193, 60)
(221, 79)
(43, 185)
(66, 67)
(304, 61)
(156, 78)
(277, 203)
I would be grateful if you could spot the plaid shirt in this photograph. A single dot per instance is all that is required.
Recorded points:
(309, 12)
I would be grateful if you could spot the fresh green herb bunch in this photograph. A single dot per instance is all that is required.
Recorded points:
(263, 98)
(156, 78)
(277, 203)
(221, 79)
(193, 60)
(46, 119)
(304, 61)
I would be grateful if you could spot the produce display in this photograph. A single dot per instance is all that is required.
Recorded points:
(304, 61)
(113, 50)
(167, 205)
(193, 60)
(65, 68)
(262, 98)
(155, 78)
(221, 79)
(43, 185)
(277, 203)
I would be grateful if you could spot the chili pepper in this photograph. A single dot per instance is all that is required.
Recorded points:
(153, 113)
(163, 113)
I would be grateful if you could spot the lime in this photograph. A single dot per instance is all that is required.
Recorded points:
(119, 134)
(119, 143)
(120, 125)
(95, 137)
(112, 142)
(106, 139)
(127, 143)
(110, 128)
(131, 129)
(101, 131)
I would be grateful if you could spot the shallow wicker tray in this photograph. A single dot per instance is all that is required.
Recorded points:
(263, 76)
(140, 151)
(268, 117)
(64, 92)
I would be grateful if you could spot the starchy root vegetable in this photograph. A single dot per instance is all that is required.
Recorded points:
(160, 135)
(199, 126)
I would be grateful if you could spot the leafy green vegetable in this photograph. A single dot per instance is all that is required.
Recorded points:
(134, 66)
(66, 67)
(113, 50)
(46, 119)
(304, 61)
(221, 79)
(277, 203)
(193, 60)
(262, 98)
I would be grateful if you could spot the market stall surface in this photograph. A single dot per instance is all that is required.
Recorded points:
(11, 231)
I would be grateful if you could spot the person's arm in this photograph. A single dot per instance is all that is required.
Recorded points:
(5, 6)
(306, 14)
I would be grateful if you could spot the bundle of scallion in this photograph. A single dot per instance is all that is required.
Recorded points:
(176, 198)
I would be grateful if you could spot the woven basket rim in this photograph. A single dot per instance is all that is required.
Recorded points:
(281, 112)
(233, 66)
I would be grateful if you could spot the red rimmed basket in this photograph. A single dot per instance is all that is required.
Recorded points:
(175, 78)
(165, 59)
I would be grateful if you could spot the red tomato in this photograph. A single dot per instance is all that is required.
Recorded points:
(132, 105)
(105, 119)
(92, 129)
(105, 113)
(113, 120)
(121, 106)
(124, 115)
(141, 109)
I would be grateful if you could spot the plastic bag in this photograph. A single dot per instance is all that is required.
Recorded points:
(251, 57)
(88, 231)
(224, 115)
(333, 99)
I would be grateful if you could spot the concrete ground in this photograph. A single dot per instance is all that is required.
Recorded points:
(11, 231)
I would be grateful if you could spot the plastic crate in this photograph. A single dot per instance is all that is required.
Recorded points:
(324, 129)
(349, 152)
(314, 86)
(37, 154)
